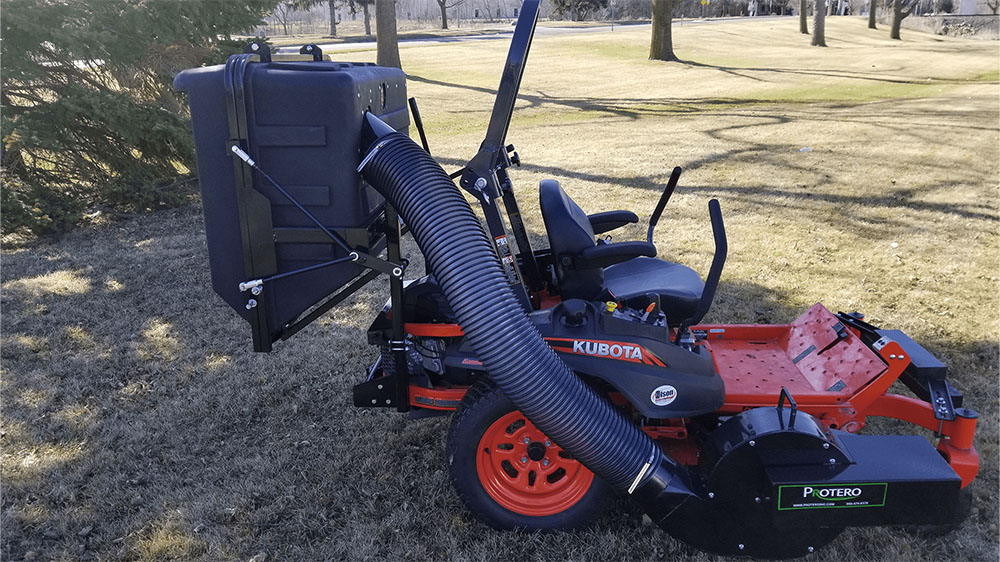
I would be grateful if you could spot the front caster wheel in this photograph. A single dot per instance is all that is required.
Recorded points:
(511, 475)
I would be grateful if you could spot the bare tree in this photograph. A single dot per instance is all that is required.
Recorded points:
(578, 9)
(445, 6)
(282, 12)
(661, 46)
(993, 5)
(803, 23)
(871, 13)
(332, 5)
(307, 5)
(900, 9)
(819, 24)
(385, 34)
(365, 6)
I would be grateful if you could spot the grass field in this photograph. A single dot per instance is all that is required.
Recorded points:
(138, 425)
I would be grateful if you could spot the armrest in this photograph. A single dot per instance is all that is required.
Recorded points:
(603, 255)
(610, 220)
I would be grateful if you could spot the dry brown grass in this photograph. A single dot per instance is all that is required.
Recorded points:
(137, 425)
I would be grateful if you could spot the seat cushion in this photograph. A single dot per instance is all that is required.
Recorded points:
(679, 286)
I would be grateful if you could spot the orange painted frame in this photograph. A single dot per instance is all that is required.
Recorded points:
(956, 437)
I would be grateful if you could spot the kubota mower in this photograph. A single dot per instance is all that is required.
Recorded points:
(573, 371)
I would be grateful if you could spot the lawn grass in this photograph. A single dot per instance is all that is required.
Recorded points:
(138, 425)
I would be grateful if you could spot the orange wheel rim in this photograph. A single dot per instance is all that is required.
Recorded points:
(526, 472)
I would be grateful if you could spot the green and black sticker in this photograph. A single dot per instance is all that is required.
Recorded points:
(820, 496)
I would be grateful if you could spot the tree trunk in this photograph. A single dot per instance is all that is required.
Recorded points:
(333, 17)
(803, 24)
(385, 30)
(819, 25)
(871, 14)
(897, 18)
(444, 14)
(368, 19)
(661, 46)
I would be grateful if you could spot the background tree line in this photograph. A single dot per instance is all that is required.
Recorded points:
(89, 120)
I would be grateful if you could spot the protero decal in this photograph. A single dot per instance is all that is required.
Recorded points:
(834, 494)
(825, 496)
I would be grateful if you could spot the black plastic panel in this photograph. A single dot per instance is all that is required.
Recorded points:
(895, 480)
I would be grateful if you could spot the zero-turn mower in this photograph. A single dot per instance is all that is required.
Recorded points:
(573, 371)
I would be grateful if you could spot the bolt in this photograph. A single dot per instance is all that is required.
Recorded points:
(257, 290)
(526, 440)
(548, 443)
(387, 402)
(810, 549)
(380, 387)
(892, 356)
(741, 546)
(826, 445)
(254, 47)
(309, 48)
(711, 495)
(397, 272)
(480, 183)
(251, 303)
(753, 443)
(545, 462)
(374, 401)
(524, 460)
(756, 500)
(901, 356)
(833, 461)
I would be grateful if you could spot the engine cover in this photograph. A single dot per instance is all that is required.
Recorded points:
(660, 379)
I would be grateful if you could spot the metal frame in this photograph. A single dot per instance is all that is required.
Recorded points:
(485, 176)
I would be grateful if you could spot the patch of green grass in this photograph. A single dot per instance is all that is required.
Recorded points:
(992, 76)
(857, 93)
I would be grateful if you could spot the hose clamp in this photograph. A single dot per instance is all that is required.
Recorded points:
(645, 468)
(371, 154)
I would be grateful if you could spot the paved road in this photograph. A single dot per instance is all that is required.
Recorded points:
(539, 31)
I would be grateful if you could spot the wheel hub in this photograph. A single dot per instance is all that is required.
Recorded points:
(523, 471)
(536, 451)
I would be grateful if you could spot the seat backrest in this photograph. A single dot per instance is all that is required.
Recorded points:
(569, 233)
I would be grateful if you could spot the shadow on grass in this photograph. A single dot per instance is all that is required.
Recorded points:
(811, 199)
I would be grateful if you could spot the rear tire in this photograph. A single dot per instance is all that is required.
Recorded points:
(510, 484)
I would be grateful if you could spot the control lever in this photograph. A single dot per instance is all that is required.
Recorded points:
(712, 282)
(667, 192)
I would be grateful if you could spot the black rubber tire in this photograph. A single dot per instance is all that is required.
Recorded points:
(483, 404)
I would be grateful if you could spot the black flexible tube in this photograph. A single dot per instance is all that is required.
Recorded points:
(517, 358)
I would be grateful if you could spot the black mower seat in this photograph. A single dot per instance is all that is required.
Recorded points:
(584, 268)
(679, 286)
